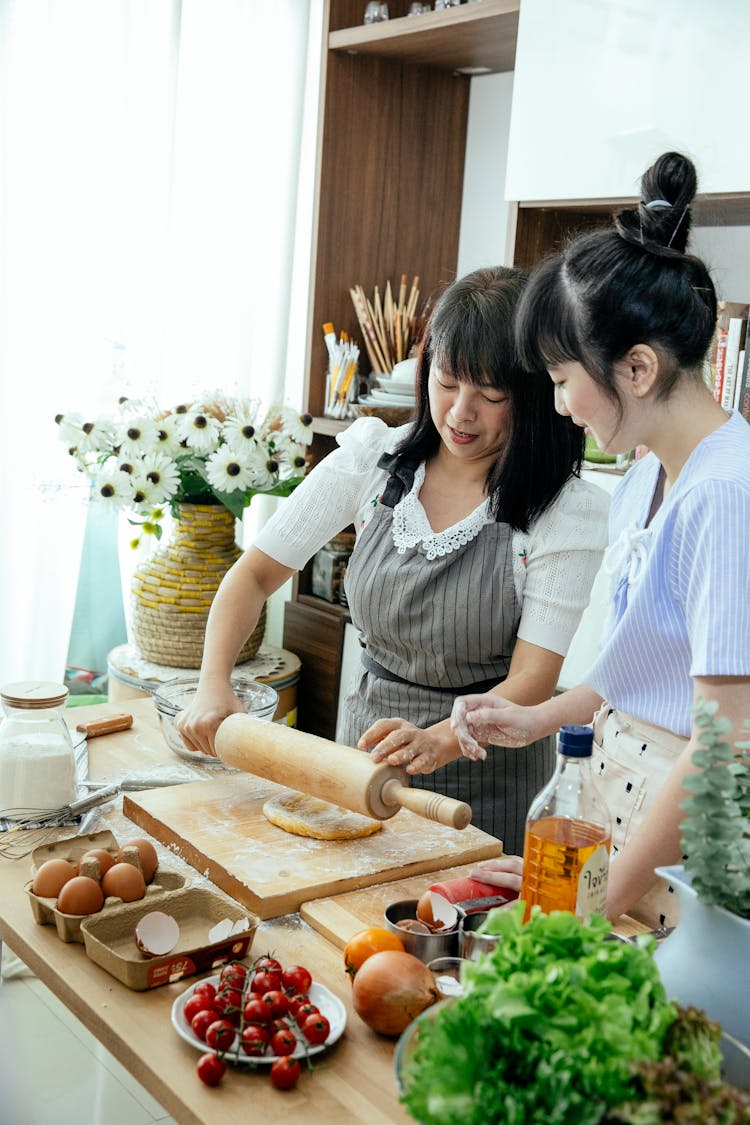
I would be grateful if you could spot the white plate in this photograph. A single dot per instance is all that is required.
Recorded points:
(330, 1006)
(397, 389)
(380, 398)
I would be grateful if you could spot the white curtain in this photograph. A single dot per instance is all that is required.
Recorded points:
(155, 173)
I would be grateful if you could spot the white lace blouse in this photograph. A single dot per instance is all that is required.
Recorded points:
(555, 562)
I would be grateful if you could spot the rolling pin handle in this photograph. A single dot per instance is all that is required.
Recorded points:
(432, 806)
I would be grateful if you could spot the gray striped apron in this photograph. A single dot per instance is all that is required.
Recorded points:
(437, 627)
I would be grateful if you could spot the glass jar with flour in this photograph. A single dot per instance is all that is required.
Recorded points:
(37, 760)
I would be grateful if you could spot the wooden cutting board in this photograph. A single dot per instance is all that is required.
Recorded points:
(218, 828)
(339, 918)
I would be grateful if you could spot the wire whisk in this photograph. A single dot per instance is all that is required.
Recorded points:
(32, 827)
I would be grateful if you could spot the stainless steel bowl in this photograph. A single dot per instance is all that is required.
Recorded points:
(471, 944)
(173, 696)
(424, 946)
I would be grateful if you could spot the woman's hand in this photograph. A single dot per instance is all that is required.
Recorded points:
(198, 723)
(482, 719)
(402, 744)
(504, 872)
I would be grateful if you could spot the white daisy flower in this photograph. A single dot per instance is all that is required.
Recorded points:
(264, 471)
(161, 475)
(200, 430)
(136, 436)
(241, 428)
(146, 494)
(169, 440)
(292, 456)
(114, 487)
(297, 426)
(97, 436)
(70, 429)
(226, 472)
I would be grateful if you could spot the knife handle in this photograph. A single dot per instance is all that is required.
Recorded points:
(432, 806)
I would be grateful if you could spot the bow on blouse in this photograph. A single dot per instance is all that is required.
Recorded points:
(400, 479)
(626, 556)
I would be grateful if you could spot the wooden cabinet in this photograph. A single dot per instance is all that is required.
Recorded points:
(392, 123)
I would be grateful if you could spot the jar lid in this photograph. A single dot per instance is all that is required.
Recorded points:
(33, 694)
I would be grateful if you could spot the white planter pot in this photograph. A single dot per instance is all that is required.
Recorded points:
(706, 960)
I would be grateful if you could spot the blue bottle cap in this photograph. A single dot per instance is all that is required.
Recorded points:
(575, 741)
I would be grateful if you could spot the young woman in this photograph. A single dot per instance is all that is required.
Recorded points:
(476, 548)
(623, 320)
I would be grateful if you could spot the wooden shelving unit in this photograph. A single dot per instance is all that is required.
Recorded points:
(391, 146)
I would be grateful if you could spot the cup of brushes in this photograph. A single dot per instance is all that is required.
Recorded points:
(341, 381)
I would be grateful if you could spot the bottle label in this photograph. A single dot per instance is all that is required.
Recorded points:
(592, 884)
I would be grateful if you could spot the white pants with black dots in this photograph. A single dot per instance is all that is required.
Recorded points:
(630, 764)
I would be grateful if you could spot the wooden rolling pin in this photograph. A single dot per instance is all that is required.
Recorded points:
(339, 774)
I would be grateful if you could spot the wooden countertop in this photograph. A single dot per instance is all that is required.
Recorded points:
(353, 1081)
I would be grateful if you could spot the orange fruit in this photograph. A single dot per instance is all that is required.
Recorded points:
(363, 944)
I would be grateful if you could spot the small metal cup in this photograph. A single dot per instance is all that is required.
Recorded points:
(424, 946)
(471, 944)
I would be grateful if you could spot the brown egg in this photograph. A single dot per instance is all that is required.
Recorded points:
(147, 853)
(80, 895)
(124, 881)
(104, 858)
(52, 876)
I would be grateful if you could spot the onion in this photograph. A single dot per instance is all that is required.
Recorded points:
(391, 989)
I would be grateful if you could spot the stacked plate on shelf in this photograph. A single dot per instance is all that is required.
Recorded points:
(396, 389)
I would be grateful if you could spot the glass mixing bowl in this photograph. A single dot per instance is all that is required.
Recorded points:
(259, 700)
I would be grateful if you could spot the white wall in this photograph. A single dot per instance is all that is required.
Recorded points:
(484, 212)
(603, 86)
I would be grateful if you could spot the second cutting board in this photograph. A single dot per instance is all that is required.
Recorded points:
(218, 827)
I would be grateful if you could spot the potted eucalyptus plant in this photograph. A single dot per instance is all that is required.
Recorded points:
(706, 961)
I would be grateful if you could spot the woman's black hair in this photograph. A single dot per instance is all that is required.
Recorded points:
(470, 336)
(634, 284)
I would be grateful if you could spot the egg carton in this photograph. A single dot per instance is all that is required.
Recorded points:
(110, 938)
(164, 884)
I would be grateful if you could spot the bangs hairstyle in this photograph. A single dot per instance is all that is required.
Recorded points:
(470, 337)
(548, 328)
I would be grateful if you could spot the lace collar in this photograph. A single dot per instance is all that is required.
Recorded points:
(411, 527)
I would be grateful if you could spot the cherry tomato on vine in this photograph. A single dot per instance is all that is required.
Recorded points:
(233, 976)
(283, 1042)
(220, 1035)
(304, 1011)
(256, 1011)
(316, 1029)
(279, 1025)
(296, 979)
(285, 1072)
(255, 1039)
(201, 1022)
(296, 1000)
(210, 1069)
(266, 981)
(229, 1004)
(267, 965)
(198, 1002)
(277, 1002)
(206, 988)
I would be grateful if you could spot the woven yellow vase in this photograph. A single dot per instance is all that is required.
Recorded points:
(172, 591)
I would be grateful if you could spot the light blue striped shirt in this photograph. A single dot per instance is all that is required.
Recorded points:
(680, 595)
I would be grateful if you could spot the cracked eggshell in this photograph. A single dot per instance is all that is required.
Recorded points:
(437, 913)
(156, 934)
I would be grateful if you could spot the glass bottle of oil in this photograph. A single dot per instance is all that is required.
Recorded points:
(568, 835)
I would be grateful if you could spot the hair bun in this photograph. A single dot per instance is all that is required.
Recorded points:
(661, 222)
